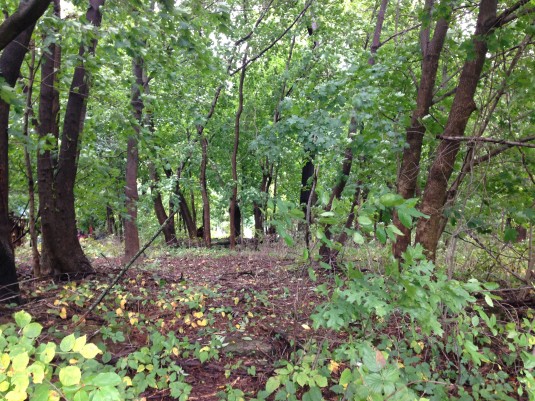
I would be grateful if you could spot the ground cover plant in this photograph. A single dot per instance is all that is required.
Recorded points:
(267, 200)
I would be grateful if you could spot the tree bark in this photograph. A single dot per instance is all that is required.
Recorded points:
(234, 159)
(131, 234)
(202, 177)
(410, 165)
(428, 230)
(10, 63)
(169, 230)
(61, 250)
(376, 42)
(25, 17)
(29, 168)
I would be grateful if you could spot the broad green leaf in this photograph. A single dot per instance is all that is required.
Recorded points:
(67, 343)
(48, 353)
(358, 238)
(105, 379)
(32, 330)
(365, 221)
(16, 395)
(405, 218)
(81, 395)
(70, 375)
(22, 319)
(20, 362)
(107, 393)
(272, 384)
(390, 200)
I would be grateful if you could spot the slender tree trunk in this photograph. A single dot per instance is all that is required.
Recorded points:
(428, 230)
(234, 160)
(328, 255)
(110, 221)
(169, 231)
(204, 163)
(10, 62)
(131, 234)
(61, 250)
(29, 169)
(410, 165)
(376, 42)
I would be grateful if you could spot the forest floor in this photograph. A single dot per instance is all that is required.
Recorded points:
(245, 311)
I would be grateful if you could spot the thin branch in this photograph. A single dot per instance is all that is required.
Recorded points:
(412, 28)
(258, 21)
(263, 51)
(489, 140)
(125, 269)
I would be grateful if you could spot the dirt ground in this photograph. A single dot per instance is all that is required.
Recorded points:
(268, 300)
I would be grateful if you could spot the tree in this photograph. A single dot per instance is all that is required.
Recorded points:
(10, 62)
(61, 250)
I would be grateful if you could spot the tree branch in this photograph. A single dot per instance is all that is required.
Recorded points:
(26, 15)
(490, 140)
(263, 51)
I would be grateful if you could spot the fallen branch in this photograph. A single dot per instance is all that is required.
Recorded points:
(125, 269)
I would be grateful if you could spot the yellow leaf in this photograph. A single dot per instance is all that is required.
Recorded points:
(187, 320)
(250, 314)
(181, 330)
(127, 380)
(223, 314)
(140, 368)
(73, 361)
(79, 343)
(149, 367)
(89, 351)
(305, 326)
(63, 313)
(194, 325)
(198, 315)
(238, 326)
(16, 395)
(57, 302)
(205, 348)
(333, 366)
(53, 395)
(119, 312)
(4, 385)
(202, 323)
(236, 300)
(175, 351)
(5, 360)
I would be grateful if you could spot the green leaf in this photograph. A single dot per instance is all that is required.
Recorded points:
(405, 218)
(390, 200)
(67, 343)
(358, 238)
(105, 379)
(48, 353)
(70, 375)
(20, 362)
(365, 221)
(272, 384)
(381, 235)
(395, 230)
(107, 394)
(32, 330)
(314, 394)
(346, 377)
(22, 318)
(81, 395)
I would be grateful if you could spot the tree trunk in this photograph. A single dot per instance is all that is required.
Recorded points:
(169, 231)
(10, 63)
(29, 168)
(410, 165)
(202, 178)
(428, 230)
(24, 18)
(110, 221)
(345, 170)
(376, 42)
(61, 250)
(234, 195)
(131, 234)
